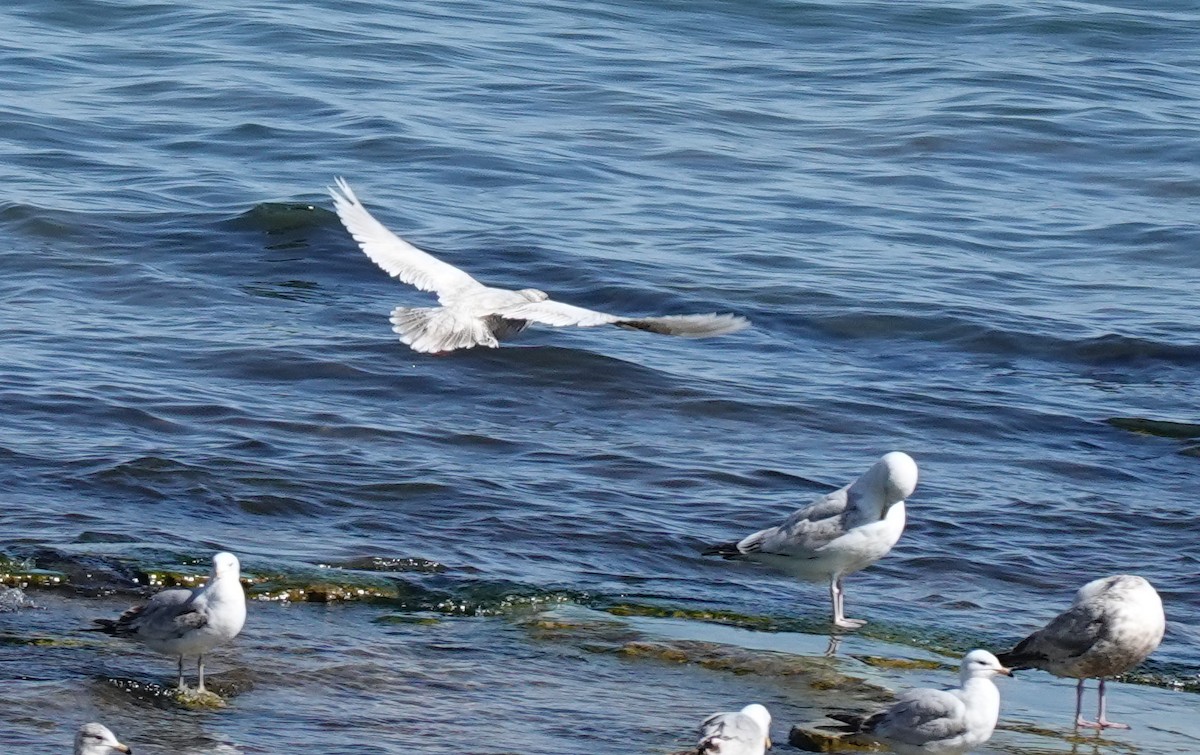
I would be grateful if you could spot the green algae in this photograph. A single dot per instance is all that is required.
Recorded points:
(727, 618)
(23, 573)
(819, 740)
(53, 642)
(1157, 427)
(902, 664)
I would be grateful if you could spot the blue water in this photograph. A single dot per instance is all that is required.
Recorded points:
(963, 230)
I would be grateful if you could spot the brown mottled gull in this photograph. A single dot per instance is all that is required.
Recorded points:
(473, 314)
(1114, 624)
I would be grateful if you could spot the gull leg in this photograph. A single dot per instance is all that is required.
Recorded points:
(1080, 721)
(200, 673)
(837, 595)
(179, 684)
(1102, 721)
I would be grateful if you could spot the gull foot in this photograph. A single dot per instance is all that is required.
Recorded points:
(849, 623)
(1101, 724)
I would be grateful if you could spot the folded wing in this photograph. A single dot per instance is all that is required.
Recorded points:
(396, 256)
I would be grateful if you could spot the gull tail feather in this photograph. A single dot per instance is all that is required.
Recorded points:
(437, 330)
(724, 550)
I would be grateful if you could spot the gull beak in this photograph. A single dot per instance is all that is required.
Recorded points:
(1006, 671)
(769, 743)
(123, 748)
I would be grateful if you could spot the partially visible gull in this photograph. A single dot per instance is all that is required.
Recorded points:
(744, 732)
(1113, 625)
(473, 314)
(945, 722)
(185, 622)
(839, 533)
(96, 739)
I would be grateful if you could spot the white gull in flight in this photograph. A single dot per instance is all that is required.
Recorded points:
(945, 722)
(743, 732)
(839, 533)
(473, 314)
(186, 622)
(1113, 625)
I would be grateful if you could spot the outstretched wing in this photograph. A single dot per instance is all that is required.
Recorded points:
(396, 256)
(558, 314)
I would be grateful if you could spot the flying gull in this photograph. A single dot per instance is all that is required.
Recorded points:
(96, 739)
(946, 722)
(473, 314)
(1113, 625)
(743, 732)
(839, 533)
(186, 622)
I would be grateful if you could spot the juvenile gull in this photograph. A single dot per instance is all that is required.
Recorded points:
(744, 732)
(946, 722)
(1113, 625)
(839, 533)
(96, 739)
(185, 622)
(473, 314)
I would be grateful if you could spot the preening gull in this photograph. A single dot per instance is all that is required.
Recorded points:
(473, 314)
(839, 533)
(96, 739)
(185, 622)
(743, 732)
(1113, 625)
(947, 722)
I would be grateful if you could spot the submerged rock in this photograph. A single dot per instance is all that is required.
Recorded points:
(818, 740)
(219, 691)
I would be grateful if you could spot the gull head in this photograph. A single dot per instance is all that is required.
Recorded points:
(980, 664)
(759, 715)
(96, 739)
(899, 476)
(532, 294)
(226, 565)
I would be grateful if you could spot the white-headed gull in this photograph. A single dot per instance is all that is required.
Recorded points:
(946, 722)
(184, 622)
(743, 732)
(839, 533)
(96, 739)
(473, 314)
(1113, 625)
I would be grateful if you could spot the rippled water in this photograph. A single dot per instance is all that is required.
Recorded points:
(964, 230)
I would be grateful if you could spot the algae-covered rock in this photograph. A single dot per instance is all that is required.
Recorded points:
(219, 691)
(812, 739)
(718, 617)
(23, 574)
(901, 664)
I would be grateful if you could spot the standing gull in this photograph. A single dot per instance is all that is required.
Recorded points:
(473, 314)
(1113, 625)
(946, 722)
(188, 622)
(96, 739)
(744, 732)
(839, 533)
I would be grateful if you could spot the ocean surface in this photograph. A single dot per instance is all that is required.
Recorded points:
(964, 230)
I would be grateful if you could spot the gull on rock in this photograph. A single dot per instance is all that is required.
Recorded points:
(940, 722)
(184, 622)
(473, 314)
(96, 739)
(1114, 624)
(743, 732)
(839, 533)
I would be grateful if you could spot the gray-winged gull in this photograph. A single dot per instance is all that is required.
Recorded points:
(743, 732)
(945, 722)
(1113, 625)
(97, 739)
(185, 622)
(473, 314)
(838, 534)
